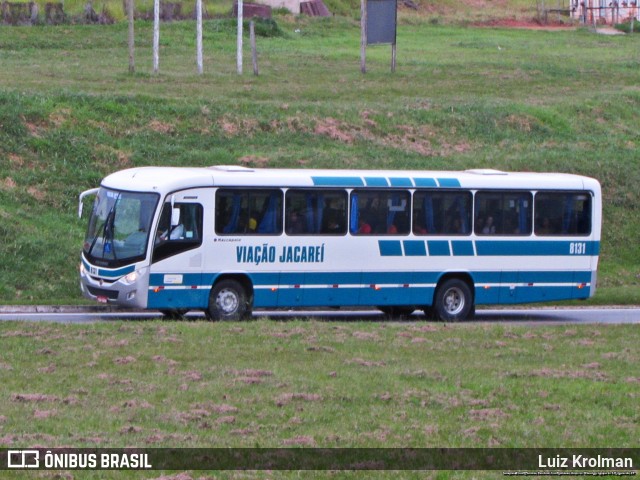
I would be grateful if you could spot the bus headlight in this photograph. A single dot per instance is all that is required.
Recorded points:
(130, 278)
(83, 271)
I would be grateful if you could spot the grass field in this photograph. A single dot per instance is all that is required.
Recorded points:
(313, 383)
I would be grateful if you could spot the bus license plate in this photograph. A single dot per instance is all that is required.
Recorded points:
(102, 299)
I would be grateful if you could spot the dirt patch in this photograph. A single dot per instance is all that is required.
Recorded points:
(192, 376)
(366, 335)
(135, 404)
(303, 440)
(287, 398)
(59, 117)
(366, 363)
(129, 429)
(164, 360)
(228, 419)
(34, 397)
(232, 127)
(249, 372)
(320, 348)
(589, 374)
(254, 161)
(335, 129)
(124, 360)
(487, 413)
(43, 414)
(161, 127)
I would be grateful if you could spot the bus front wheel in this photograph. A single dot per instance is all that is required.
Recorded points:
(228, 301)
(453, 301)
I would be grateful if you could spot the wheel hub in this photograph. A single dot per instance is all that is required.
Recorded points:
(227, 301)
(453, 301)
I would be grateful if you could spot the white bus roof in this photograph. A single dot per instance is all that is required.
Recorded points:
(170, 179)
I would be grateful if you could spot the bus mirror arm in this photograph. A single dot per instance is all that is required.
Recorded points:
(175, 213)
(175, 217)
(86, 193)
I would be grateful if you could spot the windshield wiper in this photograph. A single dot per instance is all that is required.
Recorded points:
(107, 227)
(108, 231)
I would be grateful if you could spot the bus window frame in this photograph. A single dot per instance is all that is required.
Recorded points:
(504, 192)
(591, 196)
(249, 191)
(470, 194)
(354, 228)
(321, 230)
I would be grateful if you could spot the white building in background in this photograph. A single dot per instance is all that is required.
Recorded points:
(604, 11)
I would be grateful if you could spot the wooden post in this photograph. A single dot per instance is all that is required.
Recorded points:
(254, 53)
(393, 58)
(199, 36)
(363, 36)
(156, 35)
(132, 62)
(239, 48)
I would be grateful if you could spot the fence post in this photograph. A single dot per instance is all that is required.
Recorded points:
(132, 62)
(199, 36)
(254, 53)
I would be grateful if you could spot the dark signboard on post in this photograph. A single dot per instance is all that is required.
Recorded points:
(381, 21)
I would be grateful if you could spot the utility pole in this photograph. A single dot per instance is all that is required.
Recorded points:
(132, 62)
(156, 35)
(199, 36)
(363, 36)
(239, 51)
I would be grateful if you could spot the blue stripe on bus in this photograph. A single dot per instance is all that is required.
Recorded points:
(105, 273)
(414, 248)
(400, 182)
(272, 289)
(337, 181)
(357, 278)
(404, 182)
(536, 247)
(376, 182)
(462, 248)
(524, 248)
(425, 182)
(439, 248)
(390, 248)
(448, 182)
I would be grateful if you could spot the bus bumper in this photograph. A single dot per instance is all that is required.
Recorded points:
(128, 290)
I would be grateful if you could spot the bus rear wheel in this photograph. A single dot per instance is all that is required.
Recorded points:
(453, 301)
(228, 301)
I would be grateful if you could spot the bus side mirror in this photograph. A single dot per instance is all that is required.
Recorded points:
(175, 217)
(93, 191)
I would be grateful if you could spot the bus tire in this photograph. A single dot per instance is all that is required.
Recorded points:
(453, 301)
(228, 301)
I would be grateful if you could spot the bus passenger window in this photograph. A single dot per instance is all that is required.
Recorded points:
(441, 213)
(503, 213)
(253, 212)
(380, 212)
(566, 213)
(316, 212)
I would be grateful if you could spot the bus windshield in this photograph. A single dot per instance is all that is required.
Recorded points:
(119, 226)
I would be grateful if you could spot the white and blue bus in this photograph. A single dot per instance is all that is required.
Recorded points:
(228, 239)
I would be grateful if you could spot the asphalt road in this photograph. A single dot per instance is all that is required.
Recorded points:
(529, 316)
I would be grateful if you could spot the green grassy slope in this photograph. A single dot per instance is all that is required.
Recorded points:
(461, 98)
